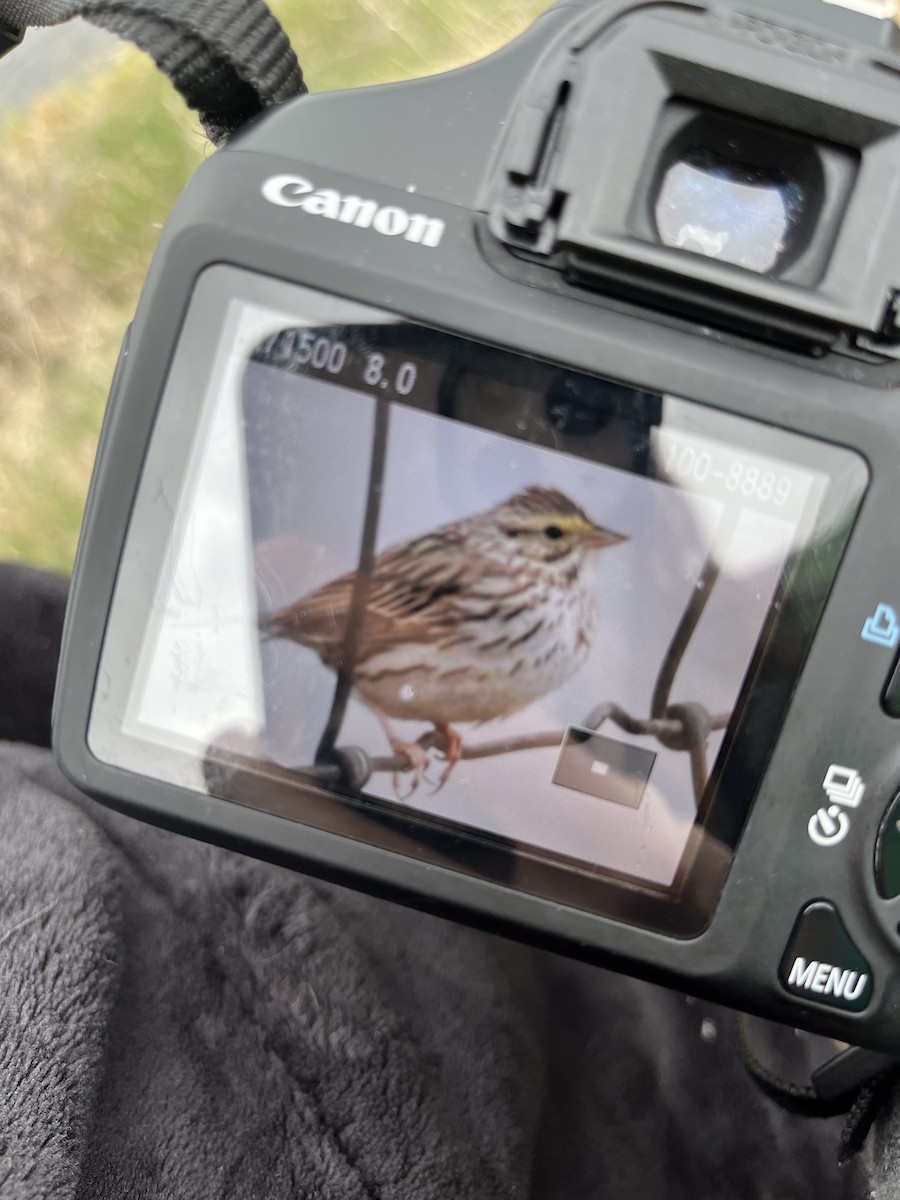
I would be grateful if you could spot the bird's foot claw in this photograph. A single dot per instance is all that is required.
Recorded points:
(449, 744)
(436, 787)
(417, 761)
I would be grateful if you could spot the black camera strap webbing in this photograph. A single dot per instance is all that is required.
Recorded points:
(855, 1084)
(229, 59)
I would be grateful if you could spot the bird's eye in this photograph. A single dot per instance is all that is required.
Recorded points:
(553, 532)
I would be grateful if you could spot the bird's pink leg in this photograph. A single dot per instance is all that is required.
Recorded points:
(451, 745)
(412, 753)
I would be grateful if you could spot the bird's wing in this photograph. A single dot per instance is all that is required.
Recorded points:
(410, 599)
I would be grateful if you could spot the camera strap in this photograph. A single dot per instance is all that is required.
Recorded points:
(856, 1083)
(229, 59)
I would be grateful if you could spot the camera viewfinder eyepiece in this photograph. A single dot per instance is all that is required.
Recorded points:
(749, 198)
(746, 194)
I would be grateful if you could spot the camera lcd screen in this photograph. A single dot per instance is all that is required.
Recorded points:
(467, 605)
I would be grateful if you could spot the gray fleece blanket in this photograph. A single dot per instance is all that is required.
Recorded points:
(179, 1021)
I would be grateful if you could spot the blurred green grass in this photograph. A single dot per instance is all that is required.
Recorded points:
(121, 148)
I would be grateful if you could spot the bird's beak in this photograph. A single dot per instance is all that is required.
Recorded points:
(599, 539)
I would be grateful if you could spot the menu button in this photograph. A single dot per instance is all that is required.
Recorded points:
(826, 980)
(821, 963)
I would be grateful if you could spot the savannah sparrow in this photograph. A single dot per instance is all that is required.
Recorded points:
(470, 622)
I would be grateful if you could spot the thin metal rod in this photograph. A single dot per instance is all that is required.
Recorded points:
(682, 636)
(356, 614)
(536, 741)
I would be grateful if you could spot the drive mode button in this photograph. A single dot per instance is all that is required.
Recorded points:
(822, 964)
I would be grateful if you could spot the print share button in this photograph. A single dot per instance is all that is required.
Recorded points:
(602, 767)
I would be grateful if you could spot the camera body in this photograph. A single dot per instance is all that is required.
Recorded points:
(637, 268)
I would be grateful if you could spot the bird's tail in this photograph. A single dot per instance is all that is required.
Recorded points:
(270, 626)
(283, 623)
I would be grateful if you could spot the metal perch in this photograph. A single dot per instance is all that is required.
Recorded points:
(685, 727)
(693, 728)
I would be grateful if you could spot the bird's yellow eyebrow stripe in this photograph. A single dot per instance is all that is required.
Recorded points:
(568, 523)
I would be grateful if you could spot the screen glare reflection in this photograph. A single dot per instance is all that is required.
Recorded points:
(736, 213)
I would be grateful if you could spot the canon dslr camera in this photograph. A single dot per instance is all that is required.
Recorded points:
(497, 505)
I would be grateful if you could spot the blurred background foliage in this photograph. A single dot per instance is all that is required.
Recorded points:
(88, 173)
